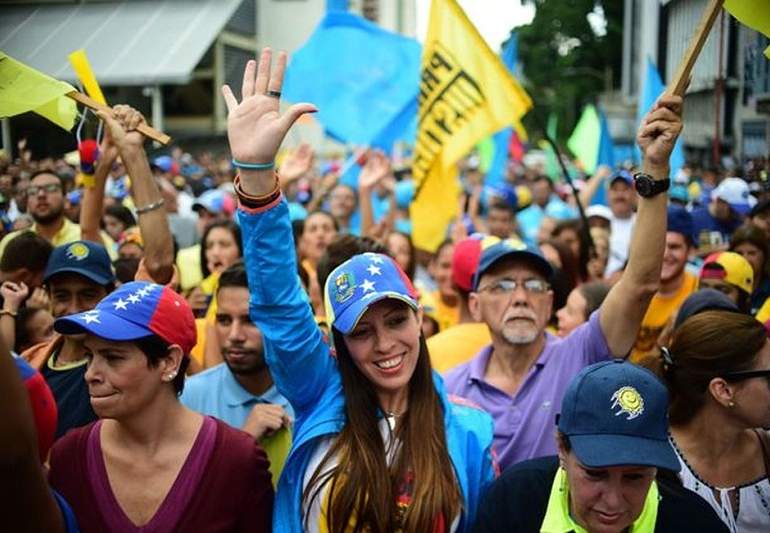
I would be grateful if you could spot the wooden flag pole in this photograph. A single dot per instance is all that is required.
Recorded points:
(144, 129)
(682, 77)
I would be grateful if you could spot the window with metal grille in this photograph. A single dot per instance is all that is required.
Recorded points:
(235, 61)
(244, 20)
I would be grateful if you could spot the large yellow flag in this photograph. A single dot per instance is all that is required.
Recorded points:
(25, 89)
(753, 13)
(466, 93)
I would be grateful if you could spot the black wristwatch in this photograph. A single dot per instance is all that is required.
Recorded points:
(647, 186)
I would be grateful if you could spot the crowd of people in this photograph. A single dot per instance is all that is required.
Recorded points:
(248, 342)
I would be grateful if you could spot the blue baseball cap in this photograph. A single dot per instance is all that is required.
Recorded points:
(134, 311)
(86, 258)
(680, 221)
(495, 251)
(616, 413)
(361, 281)
(623, 175)
(216, 202)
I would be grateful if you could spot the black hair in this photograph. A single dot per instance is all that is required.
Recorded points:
(543, 177)
(155, 349)
(62, 181)
(229, 225)
(122, 213)
(234, 276)
(322, 212)
(125, 268)
(27, 250)
(23, 340)
(342, 248)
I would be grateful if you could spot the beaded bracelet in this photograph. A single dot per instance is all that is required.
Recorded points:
(253, 166)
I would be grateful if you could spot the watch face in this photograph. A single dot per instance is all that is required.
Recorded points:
(643, 186)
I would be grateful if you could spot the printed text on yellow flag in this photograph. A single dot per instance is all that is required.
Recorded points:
(466, 93)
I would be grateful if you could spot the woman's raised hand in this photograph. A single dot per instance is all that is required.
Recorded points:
(255, 128)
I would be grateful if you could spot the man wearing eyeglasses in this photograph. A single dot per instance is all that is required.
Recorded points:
(45, 203)
(520, 378)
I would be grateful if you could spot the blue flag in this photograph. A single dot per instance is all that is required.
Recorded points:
(502, 139)
(363, 79)
(652, 89)
(336, 5)
(606, 155)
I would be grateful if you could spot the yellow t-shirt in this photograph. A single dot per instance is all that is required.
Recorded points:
(446, 315)
(661, 310)
(457, 345)
(69, 232)
(188, 261)
(763, 315)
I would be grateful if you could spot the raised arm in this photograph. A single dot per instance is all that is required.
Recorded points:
(93, 197)
(625, 305)
(153, 221)
(294, 348)
(377, 167)
(592, 185)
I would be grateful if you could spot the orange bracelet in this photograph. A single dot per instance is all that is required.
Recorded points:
(255, 202)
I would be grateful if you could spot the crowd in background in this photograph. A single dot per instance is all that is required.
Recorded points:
(525, 298)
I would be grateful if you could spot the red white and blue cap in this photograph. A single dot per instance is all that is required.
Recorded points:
(361, 281)
(136, 310)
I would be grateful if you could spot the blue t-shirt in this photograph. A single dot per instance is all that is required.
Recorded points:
(710, 232)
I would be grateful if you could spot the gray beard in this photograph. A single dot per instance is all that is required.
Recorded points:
(519, 339)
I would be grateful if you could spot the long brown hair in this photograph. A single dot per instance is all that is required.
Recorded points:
(362, 487)
(705, 346)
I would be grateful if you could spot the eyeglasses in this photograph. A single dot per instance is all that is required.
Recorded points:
(747, 374)
(34, 190)
(509, 286)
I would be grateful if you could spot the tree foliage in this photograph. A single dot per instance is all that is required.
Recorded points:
(565, 62)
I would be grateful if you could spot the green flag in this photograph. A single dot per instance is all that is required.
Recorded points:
(585, 138)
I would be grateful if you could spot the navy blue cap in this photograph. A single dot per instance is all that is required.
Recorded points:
(86, 258)
(624, 175)
(616, 413)
(510, 248)
(680, 221)
(704, 300)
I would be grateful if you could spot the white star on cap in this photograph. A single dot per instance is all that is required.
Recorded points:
(91, 317)
(374, 270)
(121, 304)
(367, 285)
(376, 259)
(133, 298)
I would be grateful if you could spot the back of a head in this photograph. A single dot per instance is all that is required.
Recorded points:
(707, 345)
(594, 293)
(342, 248)
(234, 276)
(27, 250)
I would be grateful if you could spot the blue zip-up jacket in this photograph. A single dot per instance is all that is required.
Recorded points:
(306, 374)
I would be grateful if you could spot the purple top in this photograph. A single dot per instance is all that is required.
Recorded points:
(525, 424)
(174, 505)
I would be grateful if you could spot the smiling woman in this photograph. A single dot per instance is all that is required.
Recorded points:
(377, 444)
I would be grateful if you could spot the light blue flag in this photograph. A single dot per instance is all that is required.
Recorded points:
(502, 139)
(606, 155)
(361, 77)
(652, 89)
(336, 5)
